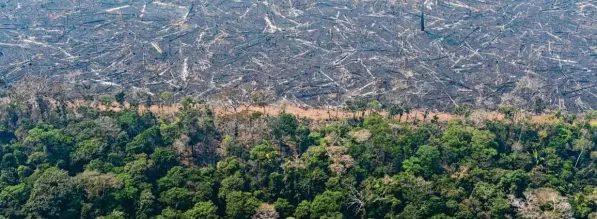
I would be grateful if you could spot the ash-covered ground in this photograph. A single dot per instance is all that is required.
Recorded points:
(482, 52)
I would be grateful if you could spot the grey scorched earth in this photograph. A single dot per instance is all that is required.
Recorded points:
(481, 52)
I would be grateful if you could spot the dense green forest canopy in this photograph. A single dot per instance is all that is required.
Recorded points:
(61, 162)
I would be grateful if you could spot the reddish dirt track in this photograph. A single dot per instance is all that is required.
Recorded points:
(318, 114)
(312, 113)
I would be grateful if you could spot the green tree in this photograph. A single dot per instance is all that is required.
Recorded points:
(88, 150)
(9, 161)
(483, 147)
(284, 207)
(455, 142)
(140, 169)
(241, 204)
(166, 97)
(303, 210)
(145, 142)
(55, 145)
(202, 210)
(265, 155)
(177, 198)
(327, 204)
(97, 185)
(119, 97)
(169, 132)
(176, 177)
(146, 204)
(235, 182)
(374, 105)
(170, 213)
(12, 200)
(284, 125)
(114, 215)
(53, 196)
(426, 162)
(164, 159)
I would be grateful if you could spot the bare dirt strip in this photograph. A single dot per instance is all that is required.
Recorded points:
(312, 113)
(321, 114)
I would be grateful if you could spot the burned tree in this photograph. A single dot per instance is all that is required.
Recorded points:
(233, 97)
